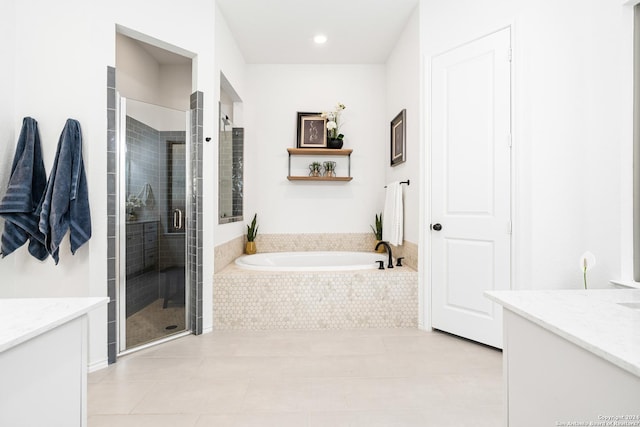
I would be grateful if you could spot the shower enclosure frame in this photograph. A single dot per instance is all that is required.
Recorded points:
(121, 232)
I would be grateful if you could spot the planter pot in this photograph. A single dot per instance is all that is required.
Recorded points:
(334, 143)
(250, 248)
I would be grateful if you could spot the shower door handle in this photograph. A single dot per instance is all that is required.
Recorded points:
(177, 219)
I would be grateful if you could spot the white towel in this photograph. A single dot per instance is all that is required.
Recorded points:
(146, 196)
(393, 216)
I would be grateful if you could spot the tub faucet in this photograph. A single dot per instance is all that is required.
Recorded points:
(386, 245)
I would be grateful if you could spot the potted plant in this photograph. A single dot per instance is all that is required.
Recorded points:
(378, 231)
(329, 168)
(335, 138)
(252, 232)
(315, 169)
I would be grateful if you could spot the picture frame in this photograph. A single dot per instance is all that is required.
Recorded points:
(312, 130)
(398, 138)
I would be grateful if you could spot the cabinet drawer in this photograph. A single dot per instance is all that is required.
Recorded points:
(150, 227)
(149, 260)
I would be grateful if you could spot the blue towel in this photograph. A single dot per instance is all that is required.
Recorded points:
(26, 186)
(65, 205)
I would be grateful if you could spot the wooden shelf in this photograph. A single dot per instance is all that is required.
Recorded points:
(319, 178)
(320, 151)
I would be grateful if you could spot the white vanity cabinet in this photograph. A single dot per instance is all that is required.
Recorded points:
(571, 358)
(43, 361)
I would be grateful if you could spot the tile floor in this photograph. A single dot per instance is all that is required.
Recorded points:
(151, 322)
(373, 377)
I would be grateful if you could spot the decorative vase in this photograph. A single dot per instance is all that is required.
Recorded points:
(335, 143)
(315, 169)
(250, 248)
(131, 216)
(329, 169)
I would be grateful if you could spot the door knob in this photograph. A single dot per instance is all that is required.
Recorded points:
(436, 227)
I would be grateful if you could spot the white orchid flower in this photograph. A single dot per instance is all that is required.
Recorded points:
(331, 125)
(587, 262)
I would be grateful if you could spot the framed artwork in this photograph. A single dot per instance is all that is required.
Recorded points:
(398, 137)
(312, 130)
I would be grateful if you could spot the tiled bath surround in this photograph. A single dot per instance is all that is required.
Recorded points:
(256, 300)
(315, 300)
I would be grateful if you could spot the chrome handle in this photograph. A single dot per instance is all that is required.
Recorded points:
(177, 219)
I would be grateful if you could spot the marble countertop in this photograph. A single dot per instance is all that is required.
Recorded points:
(25, 318)
(592, 319)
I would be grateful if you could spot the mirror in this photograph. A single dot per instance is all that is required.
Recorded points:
(230, 155)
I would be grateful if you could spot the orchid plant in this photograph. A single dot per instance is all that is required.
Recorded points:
(133, 202)
(333, 120)
(587, 262)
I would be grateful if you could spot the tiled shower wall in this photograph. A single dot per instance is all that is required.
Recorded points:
(112, 208)
(143, 154)
(194, 238)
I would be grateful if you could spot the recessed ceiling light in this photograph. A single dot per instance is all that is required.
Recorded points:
(320, 39)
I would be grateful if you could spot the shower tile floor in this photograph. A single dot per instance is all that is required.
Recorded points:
(151, 323)
(373, 377)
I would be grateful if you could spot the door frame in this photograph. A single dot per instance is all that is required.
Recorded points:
(121, 277)
(425, 299)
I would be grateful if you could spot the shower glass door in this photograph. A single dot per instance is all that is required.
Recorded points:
(153, 221)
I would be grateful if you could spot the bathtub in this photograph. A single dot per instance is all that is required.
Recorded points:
(311, 261)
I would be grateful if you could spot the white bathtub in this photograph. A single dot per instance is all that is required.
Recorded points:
(311, 261)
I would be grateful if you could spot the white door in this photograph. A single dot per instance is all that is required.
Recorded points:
(471, 186)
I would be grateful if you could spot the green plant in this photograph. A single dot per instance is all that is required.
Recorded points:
(252, 230)
(315, 168)
(329, 166)
(378, 228)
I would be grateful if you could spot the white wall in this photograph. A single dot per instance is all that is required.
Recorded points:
(274, 94)
(60, 72)
(403, 91)
(132, 61)
(231, 63)
(572, 127)
(8, 137)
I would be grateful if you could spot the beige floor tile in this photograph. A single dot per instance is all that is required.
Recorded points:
(392, 393)
(347, 346)
(293, 419)
(193, 397)
(176, 420)
(333, 419)
(211, 420)
(387, 377)
(115, 398)
(325, 367)
(243, 367)
(140, 368)
(273, 347)
(276, 396)
(407, 418)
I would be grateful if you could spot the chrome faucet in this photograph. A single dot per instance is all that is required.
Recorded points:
(386, 245)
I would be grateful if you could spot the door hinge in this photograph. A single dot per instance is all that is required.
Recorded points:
(509, 227)
(510, 55)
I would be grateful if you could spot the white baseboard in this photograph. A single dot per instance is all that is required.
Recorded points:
(96, 366)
